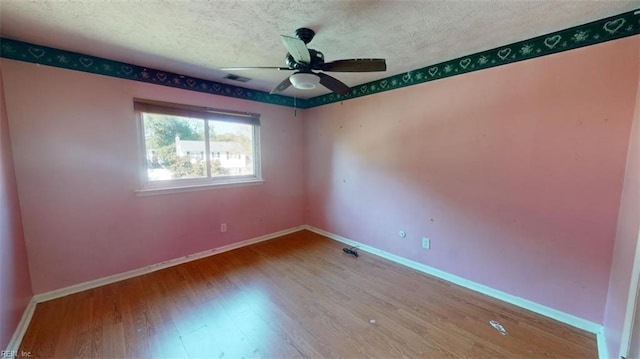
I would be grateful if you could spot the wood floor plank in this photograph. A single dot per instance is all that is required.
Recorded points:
(113, 341)
(298, 296)
(41, 337)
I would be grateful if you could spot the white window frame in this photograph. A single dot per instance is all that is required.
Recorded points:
(148, 187)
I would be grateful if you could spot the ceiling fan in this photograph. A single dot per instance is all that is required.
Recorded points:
(305, 62)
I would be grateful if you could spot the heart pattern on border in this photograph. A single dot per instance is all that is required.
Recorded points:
(613, 25)
(86, 62)
(552, 41)
(504, 53)
(37, 53)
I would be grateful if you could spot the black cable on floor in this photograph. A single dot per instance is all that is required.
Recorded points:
(351, 251)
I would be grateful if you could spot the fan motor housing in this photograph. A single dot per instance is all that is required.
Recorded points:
(317, 60)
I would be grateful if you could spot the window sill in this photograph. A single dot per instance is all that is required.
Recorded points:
(193, 188)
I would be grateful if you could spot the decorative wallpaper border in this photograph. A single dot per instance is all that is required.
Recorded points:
(23, 51)
(611, 28)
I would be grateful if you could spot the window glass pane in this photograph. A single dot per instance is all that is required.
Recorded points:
(231, 146)
(185, 148)
(175, 147)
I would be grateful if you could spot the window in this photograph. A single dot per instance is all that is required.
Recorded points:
(181, 146)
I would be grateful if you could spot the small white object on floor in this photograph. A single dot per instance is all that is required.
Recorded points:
(372, 321)
(498, 327)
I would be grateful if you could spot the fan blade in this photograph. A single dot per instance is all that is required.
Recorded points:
(333, 84)
(355, 65)
(281, 86)
(297, 48)
(254, 68)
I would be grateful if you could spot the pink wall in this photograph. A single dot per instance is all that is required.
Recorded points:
(626, 239)
(514, 172)
(15, 285)
(74, 137)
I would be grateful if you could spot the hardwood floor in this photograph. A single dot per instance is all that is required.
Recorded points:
(295, 296)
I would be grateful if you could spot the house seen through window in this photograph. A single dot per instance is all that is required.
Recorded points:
(194, 146)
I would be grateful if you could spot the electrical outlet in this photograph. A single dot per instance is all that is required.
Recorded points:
(426, 243)
(223, 227)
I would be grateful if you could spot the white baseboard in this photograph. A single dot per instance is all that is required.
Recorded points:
(603, 353)
(21, 329)
(58, 293)
(560, 316)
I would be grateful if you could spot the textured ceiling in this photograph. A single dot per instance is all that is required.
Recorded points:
(196, 38)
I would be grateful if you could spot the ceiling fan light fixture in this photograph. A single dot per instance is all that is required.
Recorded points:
(304, 80)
